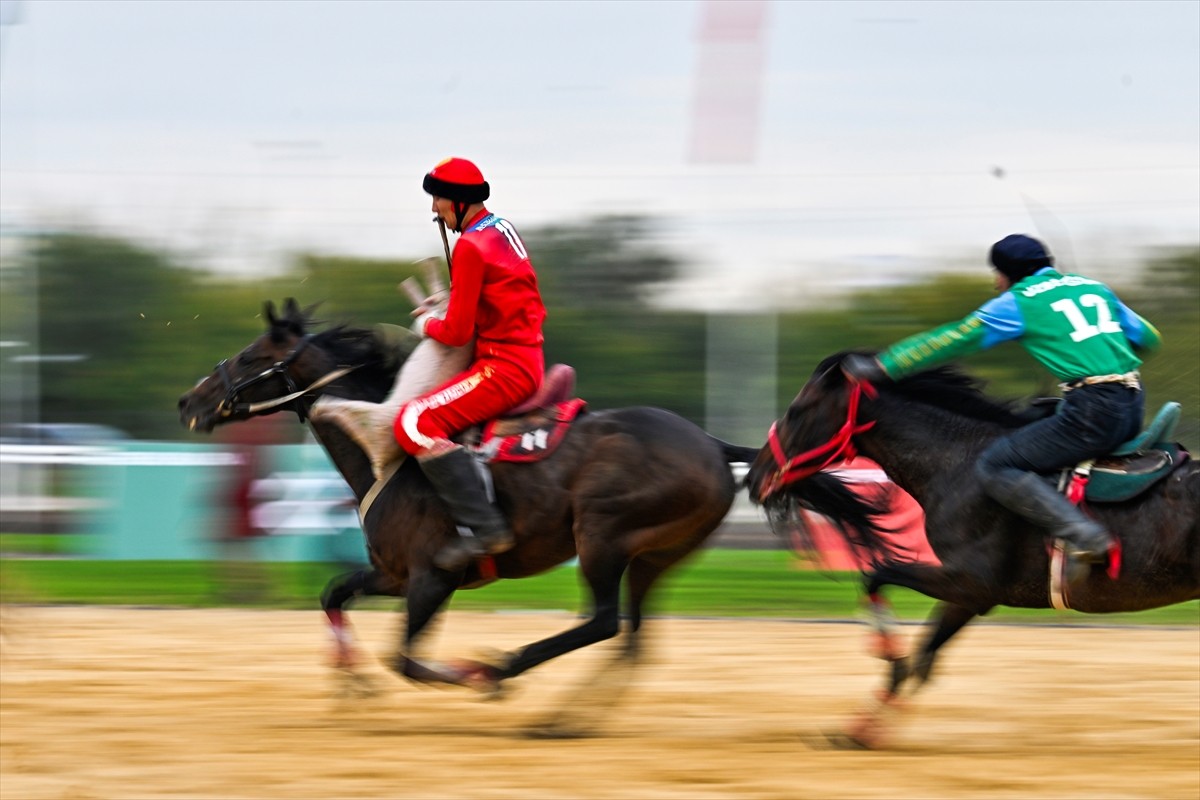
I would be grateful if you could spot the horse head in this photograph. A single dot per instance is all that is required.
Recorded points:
(817, 431)
(264, 377)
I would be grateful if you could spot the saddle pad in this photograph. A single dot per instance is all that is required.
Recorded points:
(1116, 479)
(531, 437)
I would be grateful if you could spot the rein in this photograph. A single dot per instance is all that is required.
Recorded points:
(229, 407)
(839, 448)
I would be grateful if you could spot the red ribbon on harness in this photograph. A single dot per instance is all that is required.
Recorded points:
(839, 448)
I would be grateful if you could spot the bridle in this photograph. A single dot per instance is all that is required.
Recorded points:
(839, 448)
(229, 405)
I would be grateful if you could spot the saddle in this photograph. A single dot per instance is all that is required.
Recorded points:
(534, 429)
(1130, 469)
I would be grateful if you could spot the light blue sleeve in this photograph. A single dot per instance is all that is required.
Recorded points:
(1001, 320)
(1137, 329)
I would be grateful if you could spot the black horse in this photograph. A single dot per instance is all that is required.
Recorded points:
(630, 491)
(926, 432)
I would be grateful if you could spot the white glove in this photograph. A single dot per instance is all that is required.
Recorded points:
(418, 327)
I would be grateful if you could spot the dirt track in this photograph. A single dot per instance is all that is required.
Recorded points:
(124, 703)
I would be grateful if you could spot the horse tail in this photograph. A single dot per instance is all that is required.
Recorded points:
(736, 453)
(856, 518)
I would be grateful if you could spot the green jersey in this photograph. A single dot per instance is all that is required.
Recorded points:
(1075, 326)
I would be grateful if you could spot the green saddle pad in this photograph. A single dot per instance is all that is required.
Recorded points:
(1118, 478)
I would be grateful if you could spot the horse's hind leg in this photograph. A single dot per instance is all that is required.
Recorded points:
(583, 707)
(613, 678)
(603, 576)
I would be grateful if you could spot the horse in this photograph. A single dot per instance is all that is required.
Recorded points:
(926, 432)
(630, 492)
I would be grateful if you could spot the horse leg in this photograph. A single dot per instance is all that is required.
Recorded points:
(947, 619)
(428, 591)
(603, 576)
(601, 691)
(586, 704)
(337, 594)
(871, 724)
(642, 574)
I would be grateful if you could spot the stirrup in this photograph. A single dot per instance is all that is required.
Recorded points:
(456, 555)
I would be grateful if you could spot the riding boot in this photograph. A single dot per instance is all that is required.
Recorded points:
(368, 424)
(456, 478)
(1027, 494)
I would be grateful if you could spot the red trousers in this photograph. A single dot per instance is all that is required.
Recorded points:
(490, 387)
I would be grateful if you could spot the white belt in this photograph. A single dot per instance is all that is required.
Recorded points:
(1131, 379)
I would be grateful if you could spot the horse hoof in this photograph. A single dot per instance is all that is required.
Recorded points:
(885, 646)
(353, 684)
(840, 740)
(555, 731)
(863, 735)
(477, 675)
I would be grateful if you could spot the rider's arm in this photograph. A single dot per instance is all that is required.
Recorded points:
(466, 282)
(1144, 337)
(996, 321)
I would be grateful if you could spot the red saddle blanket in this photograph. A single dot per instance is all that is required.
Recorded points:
(532, 436)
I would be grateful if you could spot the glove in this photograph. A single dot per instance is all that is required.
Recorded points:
(865, 369)
(418, 327)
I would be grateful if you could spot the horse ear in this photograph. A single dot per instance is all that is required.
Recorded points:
(294, 319)
(269, 314)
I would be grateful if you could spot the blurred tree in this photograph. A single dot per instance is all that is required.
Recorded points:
(597, 277)
(1168, 294)
(106, 311)
(148, 328)
(604, 263)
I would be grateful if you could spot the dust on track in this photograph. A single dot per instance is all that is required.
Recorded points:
(143, 703)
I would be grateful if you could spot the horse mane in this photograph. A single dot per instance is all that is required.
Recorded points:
(350, 345)
(370, 349)
(949, 388)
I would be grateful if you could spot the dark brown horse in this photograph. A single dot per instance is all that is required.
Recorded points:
(630, 491)
(926, 432)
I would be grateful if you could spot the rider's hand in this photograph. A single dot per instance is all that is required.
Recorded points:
(863, 368)
(418, 327)
(429, 304)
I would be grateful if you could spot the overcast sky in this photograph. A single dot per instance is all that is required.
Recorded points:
(808, 145)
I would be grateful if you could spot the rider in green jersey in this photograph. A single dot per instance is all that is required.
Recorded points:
(1082, 333)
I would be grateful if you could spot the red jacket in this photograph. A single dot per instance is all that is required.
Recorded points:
(493, 296)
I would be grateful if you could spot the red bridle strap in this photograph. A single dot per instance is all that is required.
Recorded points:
(839, 448)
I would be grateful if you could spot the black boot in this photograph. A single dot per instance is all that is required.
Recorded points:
(457, 480)
(1027, 494)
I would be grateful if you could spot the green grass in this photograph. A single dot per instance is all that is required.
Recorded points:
(746, 583)
(43, 544)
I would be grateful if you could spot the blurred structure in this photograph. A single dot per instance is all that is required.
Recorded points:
(728, 81)
(43, 485)
(239, 576)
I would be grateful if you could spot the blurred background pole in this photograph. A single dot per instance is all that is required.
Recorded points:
(740, 351)
(741, 376)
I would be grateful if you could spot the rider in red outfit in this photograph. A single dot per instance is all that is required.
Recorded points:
(494, 298)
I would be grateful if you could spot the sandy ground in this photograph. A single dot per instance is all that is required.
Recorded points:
(136, 703)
